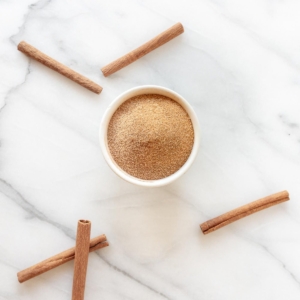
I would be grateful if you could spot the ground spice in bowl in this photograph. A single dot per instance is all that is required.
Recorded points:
(150, 136)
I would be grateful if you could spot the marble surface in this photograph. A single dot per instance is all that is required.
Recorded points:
(238, 63)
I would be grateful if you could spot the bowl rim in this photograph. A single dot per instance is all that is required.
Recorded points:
(111, 110)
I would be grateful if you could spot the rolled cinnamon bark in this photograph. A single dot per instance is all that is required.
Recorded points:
(81, 258)
(58, 67)
(59, 259)
(139, 52)
(243, 211)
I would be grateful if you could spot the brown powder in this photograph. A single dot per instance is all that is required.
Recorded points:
(150, 136)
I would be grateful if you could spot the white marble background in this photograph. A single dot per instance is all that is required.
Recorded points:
(238, 63)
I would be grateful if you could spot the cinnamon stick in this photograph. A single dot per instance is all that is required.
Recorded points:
(81, 258)
(58, 67)
(243, 211)
(139, 52)
(59, 259)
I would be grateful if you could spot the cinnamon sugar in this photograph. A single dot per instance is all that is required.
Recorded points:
(150, 136)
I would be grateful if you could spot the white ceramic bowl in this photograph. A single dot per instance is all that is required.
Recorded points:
(147, 89)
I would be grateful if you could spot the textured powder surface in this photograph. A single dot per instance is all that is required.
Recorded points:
(150, 136)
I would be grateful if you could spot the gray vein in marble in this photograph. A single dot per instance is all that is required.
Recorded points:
(179, 198)
(290, 124)
(258, 128)
(5, 263)
(279, 151)
(15, 88)
(35, 6)
(62, 290)
(131, 277)
(257, 170)
(5, 296)
(38, 6)
(156, 12)
(121, 296)
(282, 264)
(8, 190)
(263, 247)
